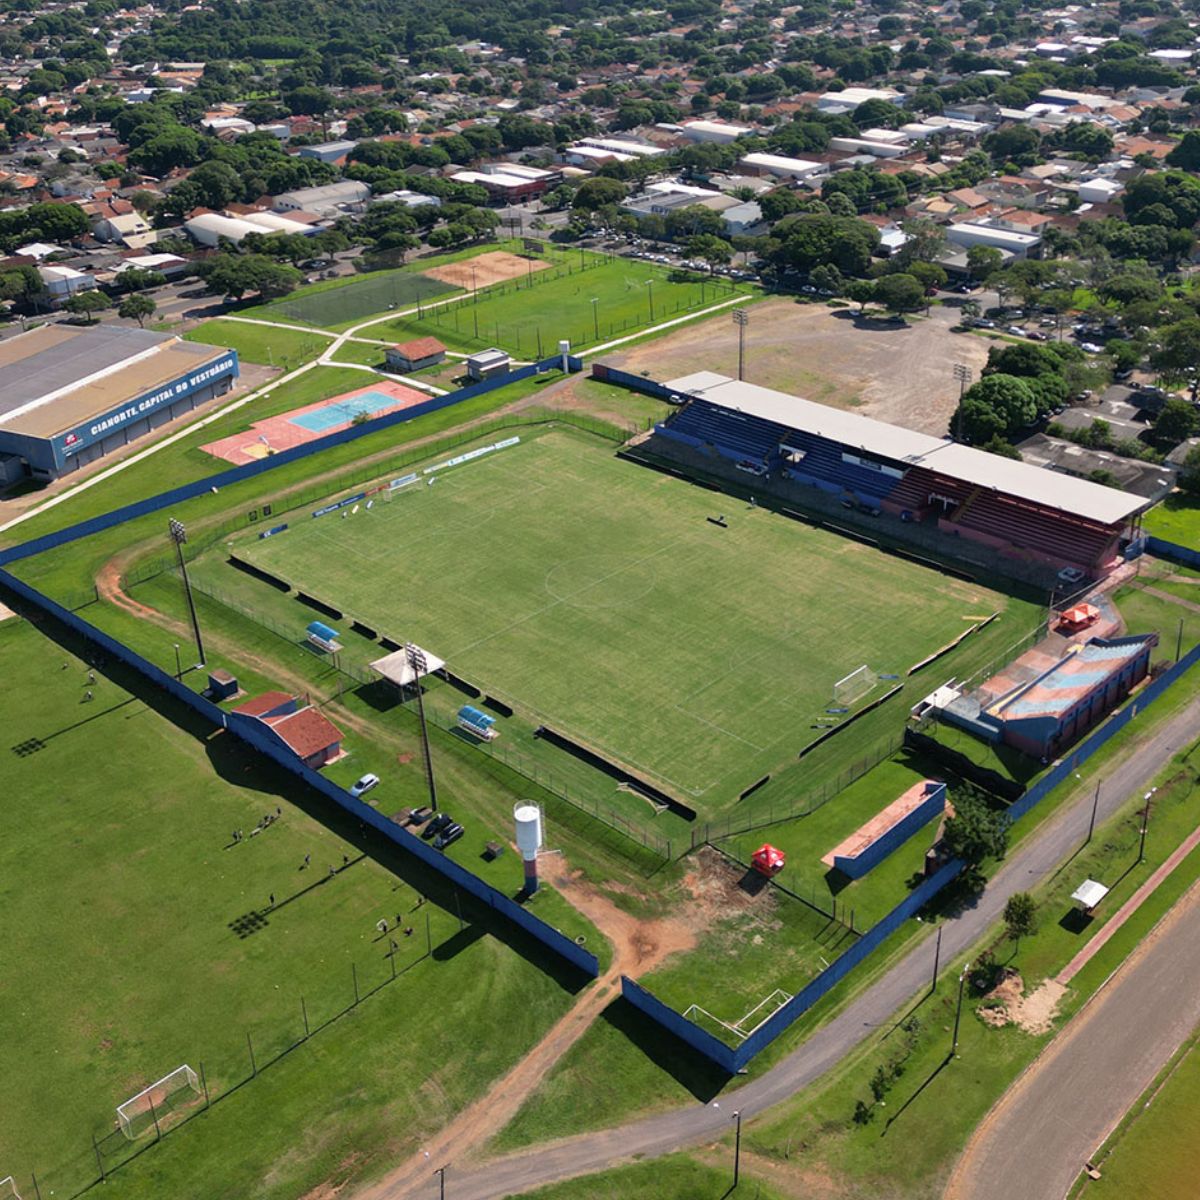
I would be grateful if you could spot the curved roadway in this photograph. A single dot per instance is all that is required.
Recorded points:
(873, 1008)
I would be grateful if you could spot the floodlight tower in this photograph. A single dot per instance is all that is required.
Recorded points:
(741, 318)
(179, 537)
(419, 665)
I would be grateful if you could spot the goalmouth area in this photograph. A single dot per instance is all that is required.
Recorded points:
(603, 600)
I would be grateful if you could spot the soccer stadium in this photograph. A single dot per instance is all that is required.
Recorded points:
(1027, 516)
(698, 642)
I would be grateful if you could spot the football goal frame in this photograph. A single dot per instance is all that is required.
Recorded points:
(853, 687)
(8, 1189)
(152, 1105)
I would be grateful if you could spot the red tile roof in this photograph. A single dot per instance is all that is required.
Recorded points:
(420, 348)
(306, 732)
(257, 705)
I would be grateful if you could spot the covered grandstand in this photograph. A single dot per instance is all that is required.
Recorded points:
(1016, 509)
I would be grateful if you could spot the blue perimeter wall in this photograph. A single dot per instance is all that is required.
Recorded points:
(930, 807)
(733, 1059)
(1179, 554)
(256, 734)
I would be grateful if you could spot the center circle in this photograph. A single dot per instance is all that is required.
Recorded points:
(600, 581)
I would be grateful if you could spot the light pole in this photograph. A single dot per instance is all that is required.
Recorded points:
(440, 1172)
(179, 537)
(419, 665)
(178, 667)
(595, 318)
(937, 956)
(650, 289)
(962, 983)
(963, 374)
(737, 1147)
(1095, 805)
(741, 318)
(1145, 824)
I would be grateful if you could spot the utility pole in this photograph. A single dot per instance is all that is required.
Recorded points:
(418, 665)
(440, 1172)
(962, 983)
(596, 323)
(650, 290)
(741, 318)
(737, 1147)
(937, 957)
(1145, 824)
(179, 537)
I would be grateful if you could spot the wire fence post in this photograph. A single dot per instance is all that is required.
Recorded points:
(99, 1160)
(354, 976)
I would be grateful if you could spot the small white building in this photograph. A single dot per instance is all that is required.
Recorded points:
(329, 197)
(976, 233)
(781, 166)
(714, 131)
(488, 363)
(61, 283)
(129, 229)
(1099, 191)
(852, 145)
(850, 98)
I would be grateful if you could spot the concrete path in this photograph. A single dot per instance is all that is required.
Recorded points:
(1035, 1142)
(872, 1009)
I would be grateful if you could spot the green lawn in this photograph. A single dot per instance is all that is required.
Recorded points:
(806, 839)
(568, 583)
(527, 317)
(282, 348)
(140, 937)
(1176, 519)
(1156, 1154)
(676, 1177)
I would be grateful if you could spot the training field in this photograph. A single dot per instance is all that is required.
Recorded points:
(594, 595)
(527, 317)
(362, 298)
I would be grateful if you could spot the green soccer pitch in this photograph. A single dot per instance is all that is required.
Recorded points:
(595, 595)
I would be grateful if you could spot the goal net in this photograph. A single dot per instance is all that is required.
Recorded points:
(157, 1102)
(854, 686)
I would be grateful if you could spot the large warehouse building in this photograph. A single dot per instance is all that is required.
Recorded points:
(70, 395)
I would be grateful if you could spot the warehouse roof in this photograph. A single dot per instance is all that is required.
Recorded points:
(1078, 497)
(58, 376)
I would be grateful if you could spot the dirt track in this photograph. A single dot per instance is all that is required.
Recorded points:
(900, 374)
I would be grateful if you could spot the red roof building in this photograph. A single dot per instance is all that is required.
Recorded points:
(310, 735)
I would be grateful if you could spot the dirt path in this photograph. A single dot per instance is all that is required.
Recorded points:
(638, 947)
(1170, 597)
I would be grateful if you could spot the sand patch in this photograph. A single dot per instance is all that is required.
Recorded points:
(1007, 1004)
(493, 267)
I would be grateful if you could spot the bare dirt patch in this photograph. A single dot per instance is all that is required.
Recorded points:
(493, 267)
(901, 374)
(1007, 1004)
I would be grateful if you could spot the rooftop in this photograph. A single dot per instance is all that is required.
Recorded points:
(55, 377)
(1078, 497)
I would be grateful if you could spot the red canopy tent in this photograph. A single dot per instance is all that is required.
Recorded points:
(1080, 616)
(768, 860)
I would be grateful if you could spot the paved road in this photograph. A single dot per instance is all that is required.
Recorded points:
(872, 1009)
(1036, 1141)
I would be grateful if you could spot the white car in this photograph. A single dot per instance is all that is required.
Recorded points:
(364, 785)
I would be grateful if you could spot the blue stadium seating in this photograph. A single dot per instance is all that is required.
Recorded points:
(824, 467)
(731, 434)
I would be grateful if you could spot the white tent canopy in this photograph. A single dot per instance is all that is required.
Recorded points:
(395, 669)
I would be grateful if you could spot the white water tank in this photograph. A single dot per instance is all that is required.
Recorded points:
(528, 819)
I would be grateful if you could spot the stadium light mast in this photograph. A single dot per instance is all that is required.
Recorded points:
(741, 318)
(179, 537)
(963, 374)
(419, 666)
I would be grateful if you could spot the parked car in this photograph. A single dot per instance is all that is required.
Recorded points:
(1015, 330)
(436, 824)
(1091, 348)
(1036, 335)
(364, 785)
(451, 833)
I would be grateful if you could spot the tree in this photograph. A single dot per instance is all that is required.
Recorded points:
(1177, 422)
(983, 262)
(87, 304)
(828, 279)
(976, 831)
(1186, 155)
(137, 279)
(808, 240)
(900, 293)
(714, 250)
(233, 275)
(137, 307)
(861, 292)
(1178, 347)
(598, 191)
(1020, 917)
(996, 405)
(1189, 474)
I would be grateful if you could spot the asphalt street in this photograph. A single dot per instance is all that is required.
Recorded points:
(1037, 1140)
(872, 1009)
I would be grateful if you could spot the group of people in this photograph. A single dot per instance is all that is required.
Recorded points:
(268, 820)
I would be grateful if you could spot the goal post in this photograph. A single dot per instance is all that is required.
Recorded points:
(8, 1189)
(152, 1105)
(853, 687)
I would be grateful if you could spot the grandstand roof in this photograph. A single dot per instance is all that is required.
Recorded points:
(1066, 493)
